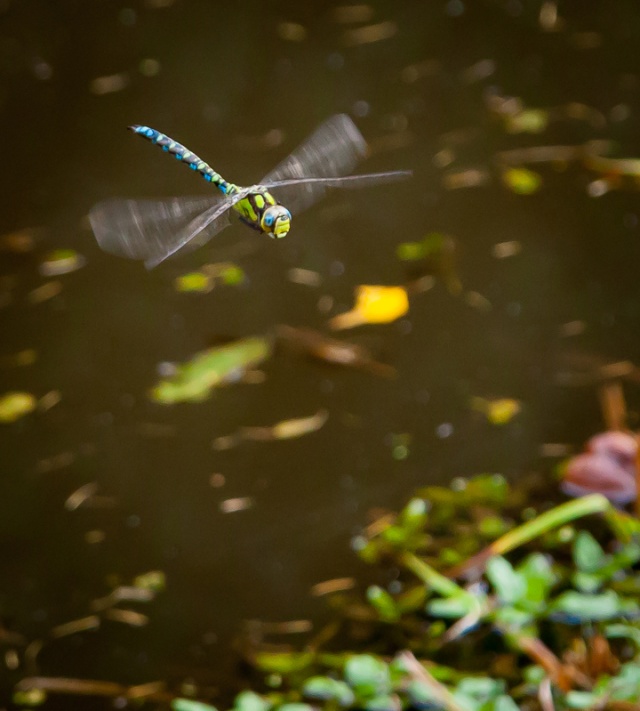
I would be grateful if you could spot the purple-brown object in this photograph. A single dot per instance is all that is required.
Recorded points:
(607, 467)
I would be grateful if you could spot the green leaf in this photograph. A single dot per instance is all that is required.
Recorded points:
(452, 607)
(538, 577)
(232, 275)
(325, 688)
(509, 585)
(581, 699)
(383, 703)
(190, 705)
(194, 380)
(295, 707)
(193, 282)
(604, 606)
(505, 703)
(383, 603)
(487, 488)
(414, 515)
(623, 631)
(250, 701)
(283, 662)
(481, 688)
(421, 694)
(29, 697)
(411, 600)
(587, 582)
(368, 675)
(587, 553)
(625, 686)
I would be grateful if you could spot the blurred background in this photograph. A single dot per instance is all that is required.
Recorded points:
(539, 281)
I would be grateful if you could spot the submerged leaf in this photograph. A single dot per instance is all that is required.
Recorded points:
(374, 304)
(14, 405)
(194, 380)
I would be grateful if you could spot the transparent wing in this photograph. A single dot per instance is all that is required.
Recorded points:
(332, 151)
(152, 230)
(348, 181)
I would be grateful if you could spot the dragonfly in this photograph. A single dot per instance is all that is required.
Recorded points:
(153, 230)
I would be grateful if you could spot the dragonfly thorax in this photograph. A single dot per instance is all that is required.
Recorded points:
(276, 221)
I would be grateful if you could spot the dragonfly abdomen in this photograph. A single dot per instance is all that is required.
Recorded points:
(182, 154)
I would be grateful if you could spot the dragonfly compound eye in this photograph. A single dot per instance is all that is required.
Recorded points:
(276, 221)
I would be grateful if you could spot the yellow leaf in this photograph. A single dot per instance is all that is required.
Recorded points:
(14, 405)
(522, 180)
(498, 412)
(374, 304)
(193, 281)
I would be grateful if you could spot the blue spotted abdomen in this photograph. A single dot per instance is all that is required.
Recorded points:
(182, 154)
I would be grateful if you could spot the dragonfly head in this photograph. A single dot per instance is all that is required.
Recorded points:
(276, 221)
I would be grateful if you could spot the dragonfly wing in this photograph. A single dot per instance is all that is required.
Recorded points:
(348, 181)
(201, 228)
(153, 229)
(332, 151)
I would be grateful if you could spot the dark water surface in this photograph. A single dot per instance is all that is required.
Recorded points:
(222, 76)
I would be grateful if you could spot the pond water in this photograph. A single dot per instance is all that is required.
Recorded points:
(241, 84)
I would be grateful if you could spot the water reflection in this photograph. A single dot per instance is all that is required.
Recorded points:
(416, 77)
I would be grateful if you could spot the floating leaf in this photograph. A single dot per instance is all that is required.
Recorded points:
(227, 273)
(194, 380)
(14, 405)
(282, 662)
(287, 429)
(499, 411)
(194, 281)
(30, 697)
(527, 121)
(61, 261)
(334, 351)
(438, 253)
(522, 180)
(154, 580)
(374, 304)
(240, 503)
(28, 356)
(46, 291)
